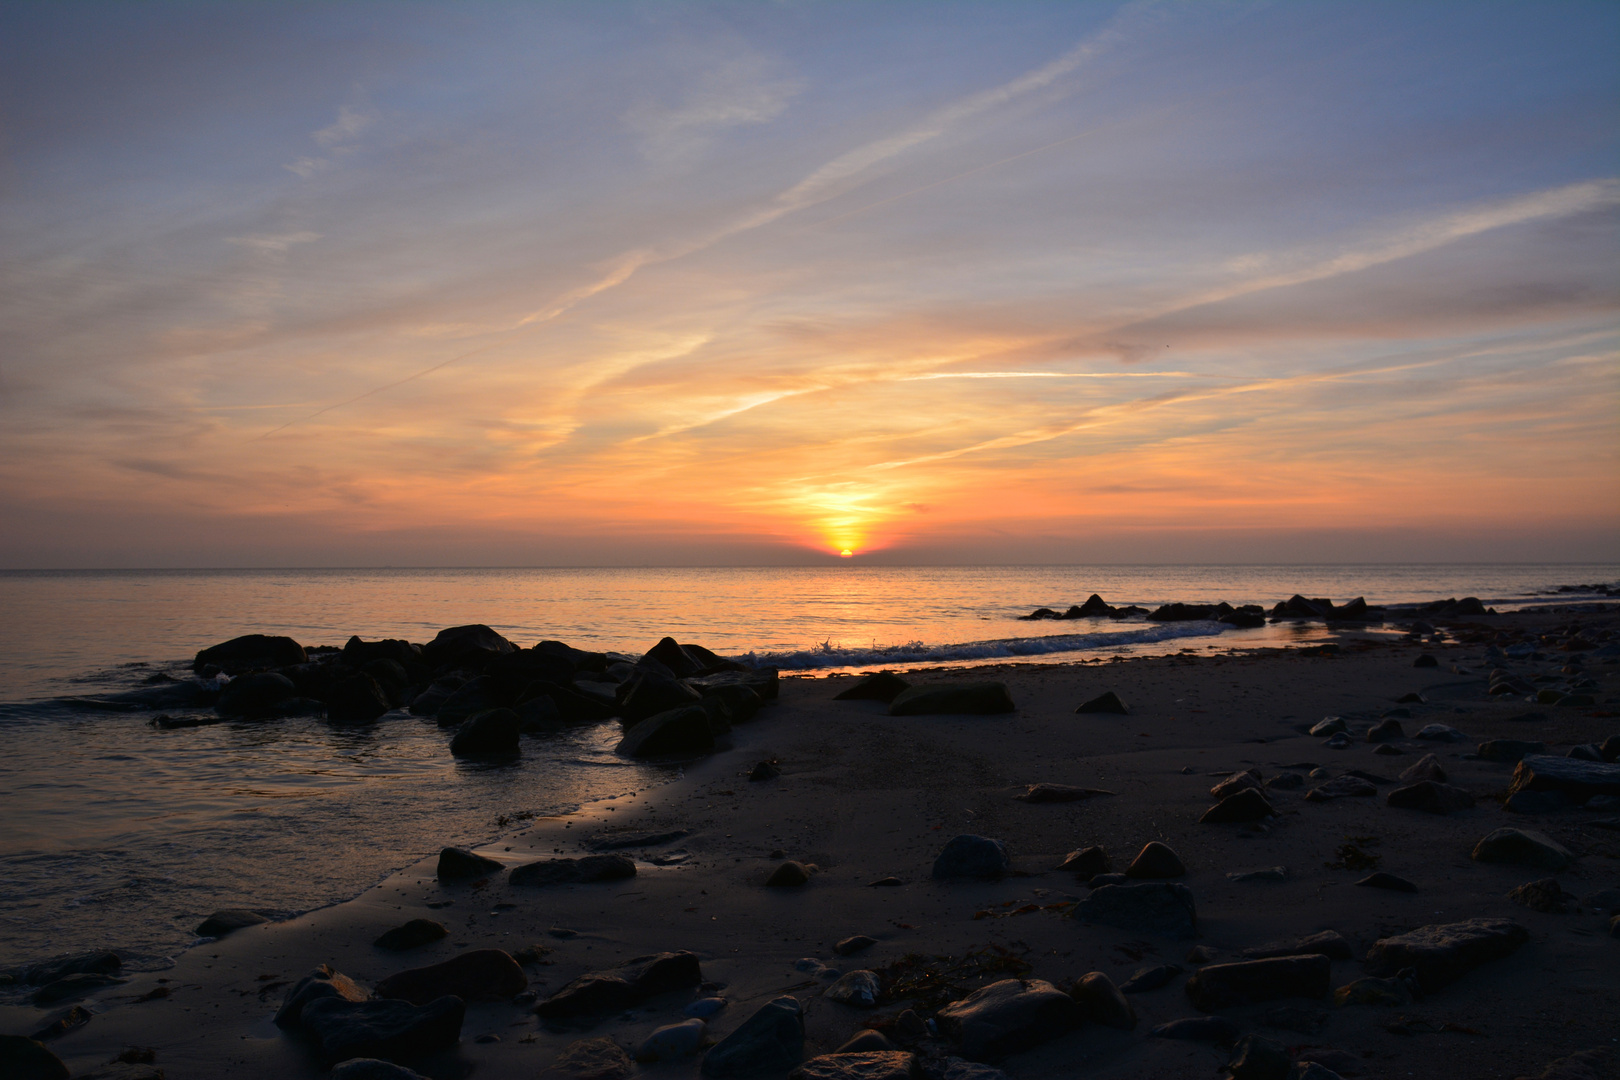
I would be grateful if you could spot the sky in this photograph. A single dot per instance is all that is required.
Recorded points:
(760, 283)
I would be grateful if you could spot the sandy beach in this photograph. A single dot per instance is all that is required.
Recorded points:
(863, 796)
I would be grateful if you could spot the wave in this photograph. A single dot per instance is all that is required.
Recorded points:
(827, 655)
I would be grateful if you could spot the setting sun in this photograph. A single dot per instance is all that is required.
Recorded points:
(846, 554)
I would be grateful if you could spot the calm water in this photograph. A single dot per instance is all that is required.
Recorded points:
(120, 835)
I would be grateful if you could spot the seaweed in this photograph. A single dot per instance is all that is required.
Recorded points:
(932, 981)
(1352, 856)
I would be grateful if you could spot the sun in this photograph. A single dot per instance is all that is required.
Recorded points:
(846, 554)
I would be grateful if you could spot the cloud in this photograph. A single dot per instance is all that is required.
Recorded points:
(274, 242)
(336, 138)
(738, 92)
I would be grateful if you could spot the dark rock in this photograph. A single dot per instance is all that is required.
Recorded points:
(673, 1041)
(472, 647)
(356, 698)
(678, 731)
(1310, 1070)
(970, 856)
(73, 987)
(1220, 986)
(1101, 1002)
(476, 975)
(623, 987)
(251, 652)
(225, 920)
(1427, 767)
(572, 705)
(323, 982)
(590, 1059)
(1088, 862)
(1149, 979)
(1388, 750)
(488, 734)
(1430, 796)
(1267, 873)
(1439, 733)
(1329, 725)
(1008, 1016)
(855, 988)
(1385, 730)
(1545, 895)
(412, 934)
(1156, 861)
(468, 700)
(789, 875)
(730, 705)
(880, 686)
(1287, 781)
(1099, 880)
(430, 700)
(459, 864)
(584, 870)
(1413, 698)
(1522, 847)
(1235, 783)
(1610, 748)
(1247, 805)
(866, 1041)
(1328, 943)
(67, 1020)
(1154, 907)
(769, 1042)
(1342, 787)
(28, 1059)
(382, 1028)
(358, 653)
(1579, 780)
(257, 696)
(1370, 991)
(1213, 1029)
(763, 681)
(1257, 1058)
(953, 699)
(1585, 752)
(1058, 793)
(860, 1065)
(649, 693)
(852, 945)
(765, 770)
(680, 663)
(1426, 660)
(97, 962)
(373, 1069)
(1105, 703)
(1443, 953)
(1187, 612)
(1381, 880)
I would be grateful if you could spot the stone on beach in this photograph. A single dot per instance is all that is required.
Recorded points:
(1248, 804)
(459, 864)
(673, 1041)
(472, 646)
(54, 1027)
(769, 1042)
(95, 962)
(1102, 1002)
(1150, 978)
(1385, 730)
(1577, 779)
(1328, 943)
(1426, 767)
(1246, 982)
(879, 686)
(1329, 725)
(29, 1059)
(1108, 702)
(852, 945)
(953, 699)
(323, 982)
(251, 652)
(1430, 796)
(477, 975)
(1087, 862)
(1257, 1058)
(684, 730)
(622, 987)
(225, 920)
(1235, 783)
(362, 1068)
(969, 856)
(1522, 847)
(257, 696)
(411, 935)
(856, 988)
(1545, 895)
(382, 1028)
(1153, 907)
(1509, 751)
(1439, 733)
(584, 870)
(649, 693)
(1373, 991)
(1445, 952)
(1058, 793)
(1340, 788)
(357, 698)
(590, 1059)
(1382, 880)
(789, 875)
(886, 1064)
(1008, 1016)
(73, 987)
(1156, 860)
(1265, 873)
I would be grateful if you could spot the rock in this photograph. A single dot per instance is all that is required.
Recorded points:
(1445, 952)
(1215, 1029)
(1388, 750)
(360, 697)
(856, 988)
(765, 770)
(1545, 895)
(623, 987)
(673, 1041)
(955, 1068)
(1220, 986)
(476, 975)
(472, 646)
(1235, 783)
(1330, 725)
(63, 1022)
(1154, 907)
(492, 733)
(1328, 943)
(1310, 1070)
(584, 870)
(411, 935)
(955, 699)
(769, 1042)
(1426, 660)
(1100, 880)
(1610, 750)
(1287, 781)
(382, 1028)
(1341, 741)
(1156, 861)
(1247, 805)
(1381, 880)
(1584, 1065)
(1102, 1002)
(257, 696)
(1340, 788)
(323, 982)
(96, 962)
(73, 987)
(879, 686)
(590, 1059)
(459, 864)
(1257, 1058)
(888, 1064)
(29, 1059)
(1087, 862)
(971, 856)
(1430, 796)
(225, 920)
(1150, 978)
(251, 652)
(1427, 767)
(1522, 847)
(1385, 730)
(788, 876)
(1268, 873)
(1058, 793)
(1371, 991)
(1439, 733)
(676, 731)
(1576, 779)
(373, 1069)
(852, 945)
(1585, 752)
(1008, 1016)
(866, 1041)
(703, 1008)
(1108, 702)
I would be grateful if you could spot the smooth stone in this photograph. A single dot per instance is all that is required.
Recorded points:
(1154, 907)
(852, 945)
(858, 1065)
(1008, 1016)
(1430, 796)
(1439, 733)
(866, 1041)
(95, 962)
(1258, 1058)
(1445, 952)
(1329, 725)
(1246, 982)
(879, 686)
(1247, 805)
(1341, 741)
(673, 1041)
(622, 987)
(703, 1008)
(1268, 873)
(1382, 880)
(411, 935)
(1509, 751)
(856, 988)
(1099, 880)
(382, 1028)
(1214, 1029)
(358, 698)
(29, 1059)
(1087, 862)
(789, 875)
(1426, 767)
(1577, 779)
(591, 1059)
(251, 651)
(1385, 730)
(1108, 702)
(323, 982)
(1328, 943)
(771, 1041)
(584, 870)
(225, 920)
(1522, 847)
(969, 856)
(1341, 788)
(477, 975)
(1150, 978)
(1388, 750)
(1058, 793)
(1156, 861)
(1235, 783)
(1102, 1002)
(255, 697)
(362, 1068)
(459, 864)
(1545, 895)
(953, 699)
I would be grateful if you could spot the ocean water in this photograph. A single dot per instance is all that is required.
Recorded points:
(119, 835)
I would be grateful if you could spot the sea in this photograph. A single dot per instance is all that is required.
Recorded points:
(118, 834)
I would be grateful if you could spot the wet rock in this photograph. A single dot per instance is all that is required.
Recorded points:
(1576, 779)
(477, 975)
(730, 704)
(1445, 952)
(590, 1059)
(789, 875)
(1153, 907)
(866, 1041)
(1585, 752)
(859, 1065)
(584, 870)
(373, 1069)
(358, 698)
(1328, 943)
(673, 1041)
(321, 983)
(225, 920)
(1431, 797)
(1087, 862)
(969, 856)
(1341, 788)
(855, 988)
(1426, 767)
(1381, 880)
(954, 699)
(493, 733)
(879, 686)
(29, 1059)
(675, 731)
(1385, 730)
(1545, 895)
(1388, 750)
(852, 945)
(60, 1024)
(411, 935)
(1610, 748)
(1266, 873)
(257, 696)
(472, 647)
(1374, 991)
(1008, 1016)
(1105, 703)
(1213, 1029)
(1247, 805)
(459, 864)
(73, 987)
(623, 987)
(1258, 1058)
(770, 1042)
(1522, 847)
(1100, 880)
(1156, 861)
(1439, 733)
(1058, 793)
(1149, 979)
(1330, 725)
(96, 962)
(1220, 986)
(1101, 1002)
(251, 652)
(382, 1028)
(1235, 783)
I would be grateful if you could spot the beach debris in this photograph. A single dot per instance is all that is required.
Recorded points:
(623, 987)
(1150, 978)
(1008, 1016)
(591, 1059)
(1059, 793)
(1108, 702)
(856, 988)
(1265, 873)
(411, 935)
(476, 975)
(1443, 953)
(1155, 907)
(1545, 895)
(459, 864)
(852, 945)
(1212, 1029)
(587, 868)
(879, 686)
(682, 730)
(930, 981)
(1328, 943)
(1430, 796)
(889, 1064)
(1247, 982)
(492, 733)
(866, 1041)
(956, 699)
(673, 1041)
(1575, 778)
(1382, 880)
(1522, 847)
(373, 1069)
(1339, 788)
(1255, 1057)
(382, 1027)
(1426, 767)
(1156, 860)
(789, 875)
(970, 856)
(1385, 730)
(1087, 862)
(1248, 804)
(771, 1041)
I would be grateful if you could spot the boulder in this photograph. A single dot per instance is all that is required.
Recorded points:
(730, 704)
(225, 920)
(1545, 895)
(1215, 1029)
(970, 856)
(1087, 862)
(591, 1059)
(1385, 731)
(1328, 943)
(856, 988)
(953, 699)
(73, 987)
(257, 696)
(472, 646)
(358, 653)
(476, 975)
(1055, 793)
(359, 697)
(673, 1041)
(1430, 796)
(1578, 780)
(879, 686)
(650, 692)
(1235, 783)
(432, 699)
(864, 1065)
(323, 982)
(1008, 1016)
(866, 1041)
(488, 734)
(1427, 767)
(1102, 1002)
(1108, 702)
(1522, 847)
(1258, 1058)
(373, 1069)
(459, 864)
(1439, 733)
(852, 945)
(1445, 952)
(1156, 861)
(468, 700)
(411, 935)
(1381, 880)
(1246, 805)
(29, 1059)
(763, 681)
(623, 987)
(251, 652)
(1221, 986)
(95, 962)
(1154, 907)
(584, 870)
(678, 660)
(770, 1042)
(382, 1028)
(685, 730)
